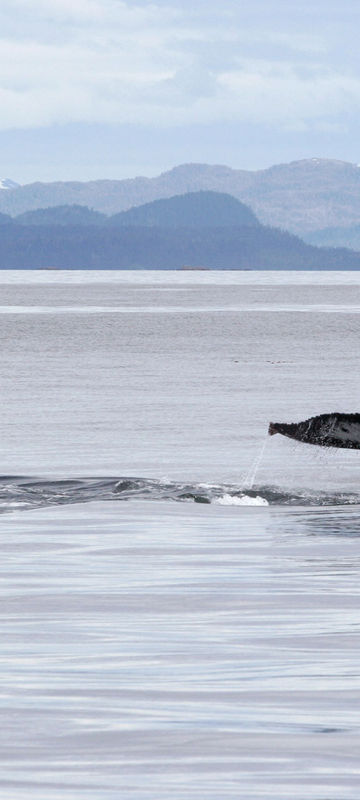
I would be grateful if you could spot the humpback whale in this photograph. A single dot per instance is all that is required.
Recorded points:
(326, 430)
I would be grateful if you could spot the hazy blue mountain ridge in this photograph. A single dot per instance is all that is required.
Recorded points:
(302, 196)
(195, 209)
(335, 237)
(206, 229)
(62, 215)
(151, 247)
(5, 219)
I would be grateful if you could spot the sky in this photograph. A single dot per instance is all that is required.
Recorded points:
(112, 89)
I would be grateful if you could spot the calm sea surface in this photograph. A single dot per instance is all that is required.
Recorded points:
(180, 594)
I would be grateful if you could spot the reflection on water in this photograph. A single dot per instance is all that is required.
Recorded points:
(329, 524)
(157, 650)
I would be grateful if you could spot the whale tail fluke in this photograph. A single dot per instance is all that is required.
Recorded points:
(325, 430)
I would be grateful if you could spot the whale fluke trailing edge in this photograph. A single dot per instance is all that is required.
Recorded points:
(326, 430)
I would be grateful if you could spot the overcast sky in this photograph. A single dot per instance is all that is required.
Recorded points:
(106, 88)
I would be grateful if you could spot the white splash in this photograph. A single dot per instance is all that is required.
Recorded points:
(244, 500)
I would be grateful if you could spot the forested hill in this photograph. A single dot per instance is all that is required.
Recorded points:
(195, 209)
(192, 210)
(206, 229)
(62, 215)
(134, 247)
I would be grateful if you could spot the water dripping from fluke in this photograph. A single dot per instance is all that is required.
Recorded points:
(248, 483)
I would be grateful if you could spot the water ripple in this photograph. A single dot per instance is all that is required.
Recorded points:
(19, 492)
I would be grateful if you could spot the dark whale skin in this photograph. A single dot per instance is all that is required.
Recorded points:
(325, 430)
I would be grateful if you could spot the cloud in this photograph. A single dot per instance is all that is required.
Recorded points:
(86, 12)
(164, 64)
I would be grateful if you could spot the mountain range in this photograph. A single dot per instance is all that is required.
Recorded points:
(198, 229)
(194, 210)
(301, 197)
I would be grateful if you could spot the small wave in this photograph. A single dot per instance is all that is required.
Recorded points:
(21, 493)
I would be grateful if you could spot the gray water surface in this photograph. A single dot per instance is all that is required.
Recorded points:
(167, 631)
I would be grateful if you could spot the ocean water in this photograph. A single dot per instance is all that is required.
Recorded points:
(179, 591)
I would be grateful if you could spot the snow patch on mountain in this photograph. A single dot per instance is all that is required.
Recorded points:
(6, 183)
